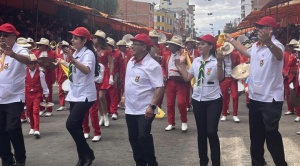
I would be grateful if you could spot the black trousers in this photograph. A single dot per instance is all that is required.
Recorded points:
(264, 123)
(207, 115)
(141, 140)
(74, 126)
(11, 132)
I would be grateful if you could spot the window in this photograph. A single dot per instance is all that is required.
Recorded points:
(162, 18)
(163, 28)
(158, 18)
(171, 22)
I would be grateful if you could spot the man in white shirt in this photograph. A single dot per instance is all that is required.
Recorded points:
(143, 89)
(12, 97)
(266, 92)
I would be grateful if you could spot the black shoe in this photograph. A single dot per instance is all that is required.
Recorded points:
(9, 162)
(79, 163)
(88, 160)
(20, 164)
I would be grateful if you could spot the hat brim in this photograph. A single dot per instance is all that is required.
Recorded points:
(200, 39)
(76, 34)
(16, 32)
(171, 42)
(133, 39)
(25, 45)
(39, 43)
(190, 41)
(93, 35)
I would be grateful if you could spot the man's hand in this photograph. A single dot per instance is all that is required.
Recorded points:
(7, 50)
(265, 35)
(149, 113)
(220, 56)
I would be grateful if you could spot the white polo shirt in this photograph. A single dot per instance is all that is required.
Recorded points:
(265, 80)
(83, 85)
(209, 89)
(141, 80)
(12, 78)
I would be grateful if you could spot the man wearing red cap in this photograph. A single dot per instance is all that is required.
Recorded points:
(12, 95)
(143, 89)
(266, 92)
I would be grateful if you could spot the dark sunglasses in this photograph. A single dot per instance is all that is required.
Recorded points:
(260, 26)
(4, 34)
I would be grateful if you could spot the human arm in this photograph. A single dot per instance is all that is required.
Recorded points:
(157, 95)
(20, 57)
(182, 68)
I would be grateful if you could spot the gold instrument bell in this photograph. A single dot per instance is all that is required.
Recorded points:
(52, 45)
(241, 71)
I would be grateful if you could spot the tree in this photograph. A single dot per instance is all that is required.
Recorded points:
(106, 6)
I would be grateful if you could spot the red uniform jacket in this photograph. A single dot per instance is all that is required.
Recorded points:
(293, 64)
(33, 85)
(49, 74)
(286, 59)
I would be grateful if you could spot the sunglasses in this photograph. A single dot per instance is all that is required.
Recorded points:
(5, 34)
(260, 26)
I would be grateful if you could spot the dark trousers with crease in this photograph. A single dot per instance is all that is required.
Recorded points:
(141, 140)
(11, 132)
(207, 115)
(74, 126)
(264, 123)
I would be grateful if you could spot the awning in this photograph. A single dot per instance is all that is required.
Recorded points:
(273, 3)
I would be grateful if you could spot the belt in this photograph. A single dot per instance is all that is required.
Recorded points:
(176, 78)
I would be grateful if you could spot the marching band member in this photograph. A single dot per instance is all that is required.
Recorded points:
(113, 93)
(82, 95)
(207, 101)
(12, 92)
(35, 88)
(175, 86)
(104, 57)
(44, 51)
(231, 60)
(32, 48)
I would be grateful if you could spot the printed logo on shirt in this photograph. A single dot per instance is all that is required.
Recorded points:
(137, 79)
(5, 66)
(208, 72)
(261, 62)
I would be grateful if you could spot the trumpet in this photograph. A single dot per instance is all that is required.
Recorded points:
(53, 45)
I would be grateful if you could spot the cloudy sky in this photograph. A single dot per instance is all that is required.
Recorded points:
(223, 11)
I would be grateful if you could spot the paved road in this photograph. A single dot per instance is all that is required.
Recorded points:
(173, 148)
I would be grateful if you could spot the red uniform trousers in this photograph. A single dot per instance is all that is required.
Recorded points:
(112, 100)
(177, 89)
(225, 85)
(61, 92)
(290, 107)
(287, 94)
(93, 112)
(49, 85)
(32, 102)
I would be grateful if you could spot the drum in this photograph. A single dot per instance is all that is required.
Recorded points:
(66, 85)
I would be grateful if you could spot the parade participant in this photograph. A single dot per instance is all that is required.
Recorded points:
(61, 75)
(175, 86)
(32, 48)
(231, 60)
(35, 88)
(289, 72)
(104, 57)
(266, 92)
(143, 88)
(44, 51)
(12, 86)
(82, 70)
(113, 93)
(206, 98)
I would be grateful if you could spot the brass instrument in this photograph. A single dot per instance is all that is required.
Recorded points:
(52, 45)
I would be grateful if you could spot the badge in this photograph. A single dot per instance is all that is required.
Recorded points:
(208, 71)
(137, 79)
(5, 66)
(261, 62)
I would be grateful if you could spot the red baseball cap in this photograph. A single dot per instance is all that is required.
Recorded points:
(267, 21)
(208, 38)
(8, 28)
(143, 38)
(82, 32)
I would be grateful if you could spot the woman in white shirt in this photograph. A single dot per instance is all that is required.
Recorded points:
(82, 94)
(206, 99)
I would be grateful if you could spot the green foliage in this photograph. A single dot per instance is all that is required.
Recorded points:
(106, 6)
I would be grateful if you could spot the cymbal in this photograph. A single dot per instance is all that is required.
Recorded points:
(47, 63)
(46, 104)
(241, 71)
(293, 98)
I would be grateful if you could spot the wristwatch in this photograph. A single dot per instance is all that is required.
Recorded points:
(153, 107)
(270, 46)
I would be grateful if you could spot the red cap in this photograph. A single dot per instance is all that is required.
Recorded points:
(267, 21)
(8, 28)
(82, 32)
(208, 38)
(143, 38)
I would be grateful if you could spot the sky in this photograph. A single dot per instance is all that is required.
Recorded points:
(223, 11)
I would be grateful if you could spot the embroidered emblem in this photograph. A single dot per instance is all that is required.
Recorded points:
(137, 79)
(5, 66)
(261, 62)
(208, 72)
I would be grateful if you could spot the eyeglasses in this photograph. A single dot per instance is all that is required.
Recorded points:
(5, 34)
(260, 26)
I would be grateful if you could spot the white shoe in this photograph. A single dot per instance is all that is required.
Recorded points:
(289, 113)
(101, 121)
(23, 120)
(86, 135)
(298, 133)
(114, 117)
(96, 138)
(25, 107)
(236, 119)
(31, 132)
(42, 112)
(106, 120)
(297, 119)
(48, 114)
(223, 118)
(62, 108)
(169, 128)
(184, 127)
(37, 134)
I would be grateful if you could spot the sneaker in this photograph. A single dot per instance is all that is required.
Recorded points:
(96, 138)
(86, 135)
(106, 120)
(23, 120)
(37, 134)
(169, 128)
(236, 119)
(298, 133)
(31, 132)
(25, 107)
(289, 113)
(223, 118)
(62, 108)
(184, 127)
(101, 121)
(42, 112)
(297, 119)
(48, 114)
(114, 117)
